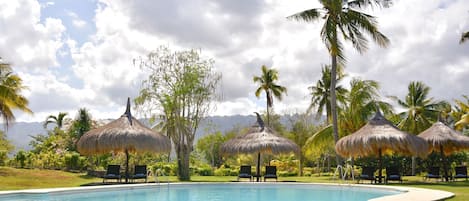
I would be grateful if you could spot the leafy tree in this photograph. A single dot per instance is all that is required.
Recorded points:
(181, 85)
(320, 94)
(420, 111)
(460, 114)
(20, 158)
(301, 130)
(361, 103)
(341, 19)
(5, 147)
(58, 120)
(210, 144)
(464, 37)
(267, 84)
(11, 86)
(82, 123)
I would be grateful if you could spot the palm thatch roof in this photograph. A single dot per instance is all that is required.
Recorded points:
(380, 136)
(441, 136)
(259, 139)
(123, 134)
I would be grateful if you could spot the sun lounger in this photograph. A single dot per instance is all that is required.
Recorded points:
(461, 172)
(245, 172)
(270, 172)
(140, 172)
(433, 173)
(112, 172)
(368, 173)
(393, 174)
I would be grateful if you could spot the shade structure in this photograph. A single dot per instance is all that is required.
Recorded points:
(377, 137)
(259, 139)
(125, 134)
(443, 139)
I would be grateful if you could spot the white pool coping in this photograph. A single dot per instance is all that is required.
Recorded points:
(409, 193)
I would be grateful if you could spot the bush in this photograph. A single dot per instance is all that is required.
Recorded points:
(223, 172)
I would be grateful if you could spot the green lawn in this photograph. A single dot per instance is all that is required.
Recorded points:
(15, 179)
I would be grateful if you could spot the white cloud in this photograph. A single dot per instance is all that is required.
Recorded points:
(27, 42)
(241, 36)
(76, 20)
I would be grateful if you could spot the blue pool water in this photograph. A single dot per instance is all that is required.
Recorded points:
(215, 192)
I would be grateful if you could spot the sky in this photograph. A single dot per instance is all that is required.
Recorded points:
(79, 54)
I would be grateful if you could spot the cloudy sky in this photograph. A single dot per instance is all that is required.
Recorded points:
(73, 54)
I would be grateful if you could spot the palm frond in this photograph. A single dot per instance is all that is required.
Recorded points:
(464, 37)
(369, 3)
(306, 15)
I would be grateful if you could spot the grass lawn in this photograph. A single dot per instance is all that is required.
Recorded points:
(15, 179)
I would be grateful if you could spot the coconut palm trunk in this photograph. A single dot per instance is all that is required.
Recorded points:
(335, 128)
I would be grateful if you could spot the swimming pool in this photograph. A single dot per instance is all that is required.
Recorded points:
(211, 192)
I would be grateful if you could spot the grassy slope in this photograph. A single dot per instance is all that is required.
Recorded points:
(13, 179)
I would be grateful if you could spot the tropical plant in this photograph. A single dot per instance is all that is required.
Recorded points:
(320, 94)
(301, 130)
(420, 110)
(11, 86)
(182, 85)
(464, 37)
(341, 19)
(267, 84)
(209, 146)
(460, 114)
(58, 120)
(82, 123)
(362, 101)
(5, 147)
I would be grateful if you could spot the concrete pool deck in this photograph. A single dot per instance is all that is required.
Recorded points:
(409, 193)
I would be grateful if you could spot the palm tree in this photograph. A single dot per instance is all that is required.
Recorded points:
(320, 94)
(420, 111)
(268, 85)
(57, 120)
(11, 86)
(464, 37)
(460, 114)
(341, 19)
(362, 102)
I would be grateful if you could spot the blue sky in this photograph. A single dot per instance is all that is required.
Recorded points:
(74, 54)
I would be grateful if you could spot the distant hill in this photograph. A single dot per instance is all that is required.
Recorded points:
(20, 132)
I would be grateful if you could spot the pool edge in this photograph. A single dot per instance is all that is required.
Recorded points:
(409, 193)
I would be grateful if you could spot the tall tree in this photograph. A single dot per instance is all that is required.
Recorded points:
(420, 110)
(11, 86)
(267, 84)
(460, 114)
(182, 85)
(362, 101)
(58, 120)
(5, 148)
(341, 19)
(320, 94)
(82, 123)
(464, 37)
(301, 130)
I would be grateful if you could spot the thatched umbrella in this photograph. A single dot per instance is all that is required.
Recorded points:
(259, 139)
(379, 136)
(445, 140)
(125, 134)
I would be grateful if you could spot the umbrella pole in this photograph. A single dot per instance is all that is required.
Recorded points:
(258, 174)
(445, 169)
(126, 166)
(380, 164)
